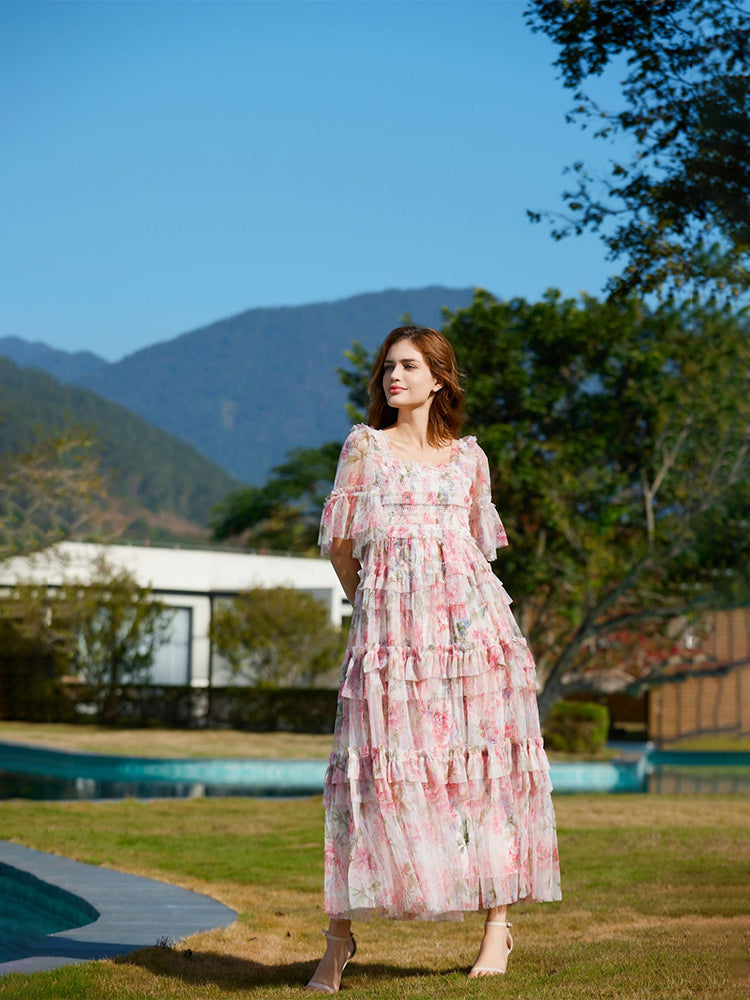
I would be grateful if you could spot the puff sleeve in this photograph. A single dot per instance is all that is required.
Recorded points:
(484, 520)
(345, 511)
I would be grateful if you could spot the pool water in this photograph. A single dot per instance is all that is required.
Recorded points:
(46, 788)
(30, 909)
(33, 772)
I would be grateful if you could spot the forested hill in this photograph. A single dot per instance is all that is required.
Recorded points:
(247, 389)
(65, 365)
(146, 464)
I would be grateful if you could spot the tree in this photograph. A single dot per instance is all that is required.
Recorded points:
(48, 493)
(104, 630)
(277, 636)
(674, 206)
(118, 627)
(618, 438)
(284, 513)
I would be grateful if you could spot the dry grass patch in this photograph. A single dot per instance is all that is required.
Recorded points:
(654, 906)
(586, 812)
(169, 742)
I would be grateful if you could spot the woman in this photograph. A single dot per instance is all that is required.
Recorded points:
(437, 795)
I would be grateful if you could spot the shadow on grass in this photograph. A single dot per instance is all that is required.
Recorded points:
(229, 972)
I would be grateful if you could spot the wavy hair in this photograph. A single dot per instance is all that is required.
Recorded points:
(447, 409)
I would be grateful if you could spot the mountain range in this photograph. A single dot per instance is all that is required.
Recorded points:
(156, 482)
(246, 389)
(66, 366)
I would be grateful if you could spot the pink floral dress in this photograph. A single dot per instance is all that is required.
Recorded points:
(437, 794)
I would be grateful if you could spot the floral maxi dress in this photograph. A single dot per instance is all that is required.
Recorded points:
(437, 793)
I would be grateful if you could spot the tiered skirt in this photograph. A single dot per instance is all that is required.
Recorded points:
(437, 794)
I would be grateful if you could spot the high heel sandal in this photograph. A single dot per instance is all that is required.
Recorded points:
(478, 970)
(328, 987)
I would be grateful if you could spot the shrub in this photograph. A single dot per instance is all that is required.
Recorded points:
(30, 672)
(261, 710)
(577, 727)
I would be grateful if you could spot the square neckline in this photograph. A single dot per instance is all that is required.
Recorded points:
(415, 461)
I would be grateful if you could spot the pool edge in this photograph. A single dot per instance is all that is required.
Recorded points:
(134, 912)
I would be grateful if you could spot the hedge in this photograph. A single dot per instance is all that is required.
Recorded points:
(576, 727)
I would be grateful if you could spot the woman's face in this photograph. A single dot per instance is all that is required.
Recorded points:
(407, 379)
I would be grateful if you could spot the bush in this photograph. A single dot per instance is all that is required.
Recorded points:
(577, 727)
(264, 710)
(30, 686)
(259, 710)
(277, 637)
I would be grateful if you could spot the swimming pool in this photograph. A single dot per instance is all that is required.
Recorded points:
(31, 909)
(40, 773)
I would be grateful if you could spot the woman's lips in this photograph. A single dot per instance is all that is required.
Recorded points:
(395, 389)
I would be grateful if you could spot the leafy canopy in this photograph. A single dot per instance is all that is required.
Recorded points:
(674, 207)
(618, 439)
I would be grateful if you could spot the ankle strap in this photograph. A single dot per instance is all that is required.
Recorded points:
(333, 937)
(497, 923)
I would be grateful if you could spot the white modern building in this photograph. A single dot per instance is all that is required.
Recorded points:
(192, 581)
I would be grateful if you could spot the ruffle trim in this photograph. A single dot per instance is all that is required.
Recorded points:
(409, 663)
(350, 513)
(501, 761)
(487, 529)
(361, 685)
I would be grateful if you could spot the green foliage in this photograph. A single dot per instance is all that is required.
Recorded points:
(284, 514)
(264, 710)
(141, 462)
(48, 493)
(104, 631)
(674, 207)
(30, 676)
(615, 460)
(118, 628)
(356, 380)
(276, 636)
(576, 727)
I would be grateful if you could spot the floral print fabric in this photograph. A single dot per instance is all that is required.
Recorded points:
(437, 794)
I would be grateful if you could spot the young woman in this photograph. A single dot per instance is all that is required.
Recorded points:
(437, 794)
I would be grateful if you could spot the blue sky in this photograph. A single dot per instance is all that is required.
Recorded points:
(167, 163)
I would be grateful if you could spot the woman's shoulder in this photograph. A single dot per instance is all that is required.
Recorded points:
(359, 438)
(468, 444)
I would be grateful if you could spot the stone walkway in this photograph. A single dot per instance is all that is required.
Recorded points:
(133, 912)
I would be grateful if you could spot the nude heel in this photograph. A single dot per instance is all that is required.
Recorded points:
(484, 970)
(328, 987)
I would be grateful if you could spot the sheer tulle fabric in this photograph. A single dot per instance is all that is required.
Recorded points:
(437, 794)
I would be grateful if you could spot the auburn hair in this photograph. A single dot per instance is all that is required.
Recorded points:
(447, 409)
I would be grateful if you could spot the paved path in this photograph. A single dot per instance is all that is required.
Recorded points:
(133, 912)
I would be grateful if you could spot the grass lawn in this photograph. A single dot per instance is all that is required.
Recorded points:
(655, 905)
(168, 742)
(189, 742)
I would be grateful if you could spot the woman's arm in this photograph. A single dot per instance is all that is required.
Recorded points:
(345, 566)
